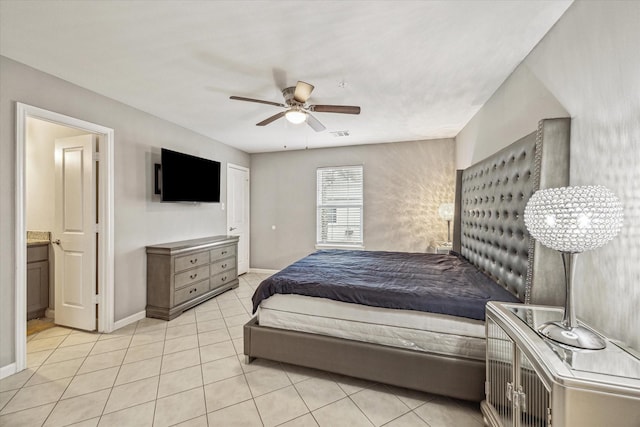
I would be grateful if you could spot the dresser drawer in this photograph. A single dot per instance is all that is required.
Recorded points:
(179, 274)
(223, 252)
(190, 261)
(224, 265)
(191, 292)
(191, 276)
(222, 279)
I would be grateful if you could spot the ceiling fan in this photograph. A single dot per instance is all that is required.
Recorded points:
(298, 109)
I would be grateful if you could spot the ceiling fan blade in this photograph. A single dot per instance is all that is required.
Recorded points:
(259, 101)
(302, 92)
(342, 109)
(271, 119)
(314, 123)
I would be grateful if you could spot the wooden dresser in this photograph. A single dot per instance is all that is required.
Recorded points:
(183, 274)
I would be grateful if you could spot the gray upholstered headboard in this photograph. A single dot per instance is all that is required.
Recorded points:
(489, 225)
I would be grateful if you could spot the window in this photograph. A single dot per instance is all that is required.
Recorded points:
(339, 218)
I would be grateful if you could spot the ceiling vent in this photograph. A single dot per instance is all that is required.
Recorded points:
(340, 133)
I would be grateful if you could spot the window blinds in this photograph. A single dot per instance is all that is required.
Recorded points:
(339, 201)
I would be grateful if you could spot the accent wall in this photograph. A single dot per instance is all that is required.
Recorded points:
(404, 184)
(589, 66)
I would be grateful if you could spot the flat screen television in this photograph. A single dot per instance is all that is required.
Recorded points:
(187, 178)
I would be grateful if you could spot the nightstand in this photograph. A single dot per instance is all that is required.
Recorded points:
(444, 249)
(531, 381)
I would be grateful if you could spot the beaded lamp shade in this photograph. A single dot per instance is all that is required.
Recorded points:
(573, 220)
(445, 211)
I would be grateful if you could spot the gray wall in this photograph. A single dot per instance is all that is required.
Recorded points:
(589, 66)
(404, 183)
(140, 219)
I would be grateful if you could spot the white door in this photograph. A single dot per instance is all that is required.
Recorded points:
(238, 211)
(74, 232)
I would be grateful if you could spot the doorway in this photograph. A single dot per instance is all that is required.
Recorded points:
(238, 212)
(100, 208)
(54, 189)
(61, 201)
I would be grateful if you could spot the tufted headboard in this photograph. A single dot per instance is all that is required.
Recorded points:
(489, 225)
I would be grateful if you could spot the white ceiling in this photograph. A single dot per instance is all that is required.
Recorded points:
(418, 69)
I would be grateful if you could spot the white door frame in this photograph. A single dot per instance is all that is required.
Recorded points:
(248, 201)
(105, 260)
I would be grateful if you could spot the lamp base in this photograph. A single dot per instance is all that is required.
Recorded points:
(577, 336)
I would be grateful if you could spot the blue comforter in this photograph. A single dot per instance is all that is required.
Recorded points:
(445, 284)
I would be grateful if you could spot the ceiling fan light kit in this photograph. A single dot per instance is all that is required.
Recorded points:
(298, 110)
(296, 116)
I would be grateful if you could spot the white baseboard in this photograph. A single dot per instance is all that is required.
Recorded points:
(129, 320)
(262, 271)
(5, 371)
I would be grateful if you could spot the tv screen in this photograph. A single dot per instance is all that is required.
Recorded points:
(188, 178)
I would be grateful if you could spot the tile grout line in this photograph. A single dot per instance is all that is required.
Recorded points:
(204, 393)
(359, 409)
(67, 387)
(244, 374)
(118, 374)
(303, 401)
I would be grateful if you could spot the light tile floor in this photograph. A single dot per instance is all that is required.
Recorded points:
(191, 372)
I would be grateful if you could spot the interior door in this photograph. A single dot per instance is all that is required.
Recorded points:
(74, 233)
(238, 212)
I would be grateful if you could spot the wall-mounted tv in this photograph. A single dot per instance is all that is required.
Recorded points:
(187, 178)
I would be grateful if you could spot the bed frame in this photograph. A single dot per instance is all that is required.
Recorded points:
(489, 231)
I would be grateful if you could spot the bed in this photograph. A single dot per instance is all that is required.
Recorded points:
(436, 343)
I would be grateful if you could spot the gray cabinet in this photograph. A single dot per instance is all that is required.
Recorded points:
(37, 280)
(531, 381)
(183, 274)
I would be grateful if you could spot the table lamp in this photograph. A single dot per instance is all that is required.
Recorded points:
(445, 210)
(572, 220)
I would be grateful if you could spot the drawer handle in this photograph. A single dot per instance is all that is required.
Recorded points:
(193, 261)
(224, 265)
(193, 290)
(509, 392)
(224, 253)
(224, 278)
(523, 399)
(193, 276)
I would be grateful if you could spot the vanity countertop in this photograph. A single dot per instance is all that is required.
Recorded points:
(36, 238)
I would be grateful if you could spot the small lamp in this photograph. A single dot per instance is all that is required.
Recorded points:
(446, 213)
(573, 220)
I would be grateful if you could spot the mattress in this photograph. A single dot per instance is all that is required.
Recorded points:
(443, 284)
(409, 329)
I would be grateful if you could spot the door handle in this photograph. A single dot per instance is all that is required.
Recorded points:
(56, 242)
(233, 228)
